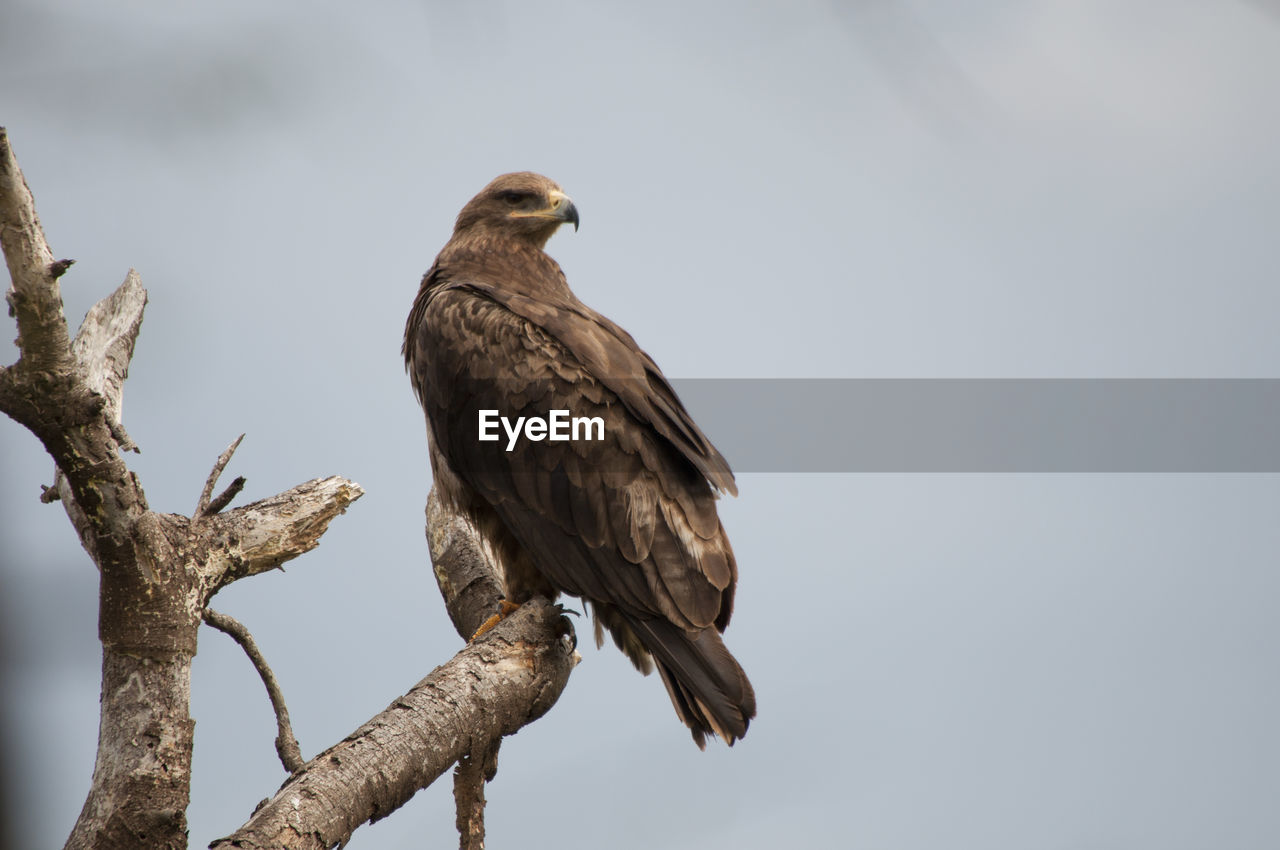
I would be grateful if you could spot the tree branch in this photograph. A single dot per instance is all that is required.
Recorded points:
(202, 506)
(459, 713)
(469, 776)
(224, 498)
(469, 582)
(34, 297)
(491, 688)
(463, 566)
(157, 571)
(103, 347)
(267, 533)
(286, 744)
(141, 782)
(102, 351)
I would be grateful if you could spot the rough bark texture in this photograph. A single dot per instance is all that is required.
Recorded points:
(464, 568)
(469, 777)
(458, 714)
(156, 571)
(472, 591)
(492, 688)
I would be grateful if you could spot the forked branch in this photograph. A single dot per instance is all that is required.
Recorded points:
(204, 505)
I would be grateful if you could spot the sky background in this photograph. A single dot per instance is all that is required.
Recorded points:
(801, 190)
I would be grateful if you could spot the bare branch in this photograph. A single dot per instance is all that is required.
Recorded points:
(491, 688)
(51, 494)
(123, 440)
(469, 776)
(102, 351)
(202, 506)
(263, 535)
(469, 581)
(157, 571)
(34, 296)
(463, 566)
(224, 498)
(286, 744)
(103, 347)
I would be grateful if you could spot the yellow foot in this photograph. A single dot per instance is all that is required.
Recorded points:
(508, 608)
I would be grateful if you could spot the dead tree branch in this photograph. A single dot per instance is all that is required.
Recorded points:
(491, 688)
(224, 498)
(202, 506)
(157, 571)
(470, 775)
(458, 714)
(472, 591)
(463, 567)
(265, 534)
(286, 744)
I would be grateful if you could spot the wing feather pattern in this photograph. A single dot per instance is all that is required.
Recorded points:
(627, 522)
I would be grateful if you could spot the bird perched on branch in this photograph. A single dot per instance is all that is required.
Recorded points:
(621, 512)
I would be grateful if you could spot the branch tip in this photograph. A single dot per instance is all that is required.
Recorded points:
(224, 498)
(122, 438)
(202, 507)
(52, 493)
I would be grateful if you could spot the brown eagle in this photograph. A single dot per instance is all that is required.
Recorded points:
(622, 515)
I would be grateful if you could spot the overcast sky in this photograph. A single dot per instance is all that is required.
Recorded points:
(810, 189)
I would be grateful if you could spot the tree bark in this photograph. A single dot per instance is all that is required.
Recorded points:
(156, 571)
(493, 687)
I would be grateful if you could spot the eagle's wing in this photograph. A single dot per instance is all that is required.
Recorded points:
(627, 522)
(611, 356)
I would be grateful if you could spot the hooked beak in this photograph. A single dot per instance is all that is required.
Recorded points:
(562, 208)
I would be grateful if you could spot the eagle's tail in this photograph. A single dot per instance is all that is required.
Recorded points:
(708, 687)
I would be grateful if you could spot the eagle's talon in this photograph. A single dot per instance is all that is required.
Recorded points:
(507, 609)
(564, 626)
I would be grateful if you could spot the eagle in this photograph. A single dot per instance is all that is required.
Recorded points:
(623, 516)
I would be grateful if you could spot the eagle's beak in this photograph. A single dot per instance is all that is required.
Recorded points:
(562, 208)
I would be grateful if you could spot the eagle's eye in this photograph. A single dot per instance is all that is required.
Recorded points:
(513, 198)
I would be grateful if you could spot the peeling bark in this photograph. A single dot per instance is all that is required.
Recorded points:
(142, 778)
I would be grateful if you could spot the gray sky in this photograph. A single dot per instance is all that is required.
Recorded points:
(815, 189)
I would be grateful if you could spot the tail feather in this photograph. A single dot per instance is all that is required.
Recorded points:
(707, 686)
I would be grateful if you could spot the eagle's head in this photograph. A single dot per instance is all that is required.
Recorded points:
(522, 205)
